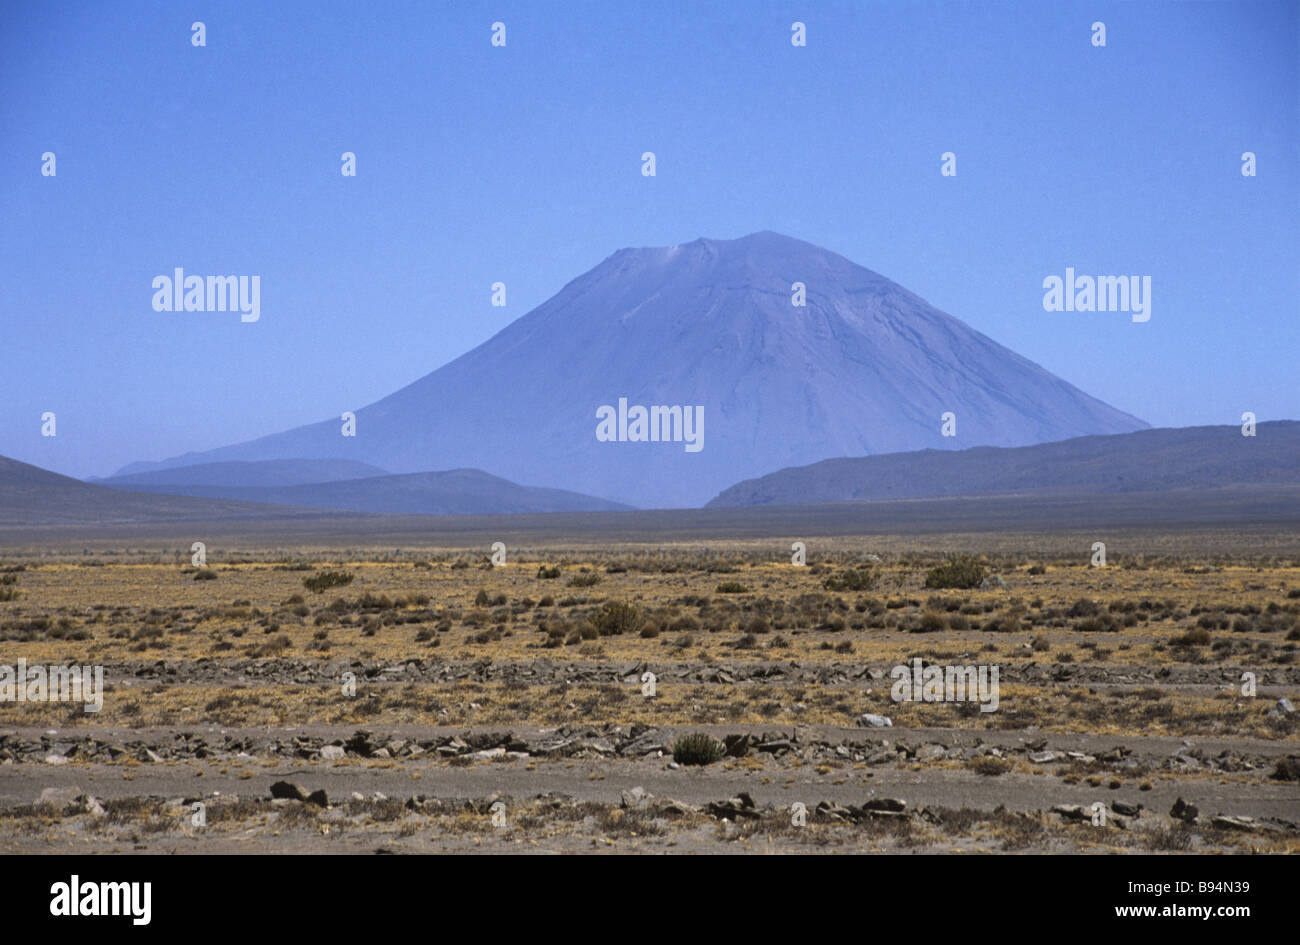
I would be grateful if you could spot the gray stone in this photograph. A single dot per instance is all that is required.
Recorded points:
(635, 798)
(59, 797)
(871, 720)
(1246, 824)
(332, 752)
(667, 807)
(1184, 811)
(1072, 812)
(285, 790)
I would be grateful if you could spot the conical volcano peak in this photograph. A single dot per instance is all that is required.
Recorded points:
(763, 245)
(766, 263)
(782, 354)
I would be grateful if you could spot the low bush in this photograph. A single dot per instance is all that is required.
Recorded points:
(322, 580)
(697, 748)
(962, 572)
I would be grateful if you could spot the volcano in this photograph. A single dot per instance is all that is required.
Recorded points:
(707, 331)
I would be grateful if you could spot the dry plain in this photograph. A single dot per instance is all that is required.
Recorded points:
(436, 702)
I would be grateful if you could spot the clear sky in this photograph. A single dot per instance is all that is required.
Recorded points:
(521, 164)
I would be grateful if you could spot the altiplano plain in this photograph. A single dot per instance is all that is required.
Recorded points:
(440, 702)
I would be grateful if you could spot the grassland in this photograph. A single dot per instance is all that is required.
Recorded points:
(1147, 658)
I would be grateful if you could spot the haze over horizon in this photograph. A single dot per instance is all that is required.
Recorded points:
(522, 165)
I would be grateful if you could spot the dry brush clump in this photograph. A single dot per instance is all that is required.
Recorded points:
(961, 571)
(323, 580)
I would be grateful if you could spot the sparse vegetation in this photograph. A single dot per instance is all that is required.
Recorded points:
(697, 748)
(858, 579)
(323, 580)
(961, 571)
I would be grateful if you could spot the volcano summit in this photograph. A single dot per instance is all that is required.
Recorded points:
(863, 367)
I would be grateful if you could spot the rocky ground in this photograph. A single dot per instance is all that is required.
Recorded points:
(440, 707)
(572, 787)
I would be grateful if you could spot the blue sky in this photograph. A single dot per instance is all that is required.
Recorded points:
(522, 164)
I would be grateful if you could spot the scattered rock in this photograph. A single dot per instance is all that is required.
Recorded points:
(742, 805)
(635, 798)
(1184, 811)
(1245, 824)
(667, 807)
(282, 790)
(737, 746)
(332, 752)
(827, 810)
(60, 798)
(1287, 769)
(1073, 812)
(871, 720)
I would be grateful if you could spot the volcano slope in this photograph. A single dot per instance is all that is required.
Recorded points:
(439, 703)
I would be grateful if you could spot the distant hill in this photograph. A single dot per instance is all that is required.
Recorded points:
(454, 492)
(1145, 461)
(864, 367)
(30, 495)
(273, 472)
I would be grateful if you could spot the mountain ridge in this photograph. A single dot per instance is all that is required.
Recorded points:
(445, 492)
(1157, 460)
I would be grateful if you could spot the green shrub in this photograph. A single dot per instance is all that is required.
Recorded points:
(697, 748)
(961, 571)
(584, 580)
(861, 579)
(548, 574)
(205, 574)
(616, 617)
(732, 587)
(322, 580)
